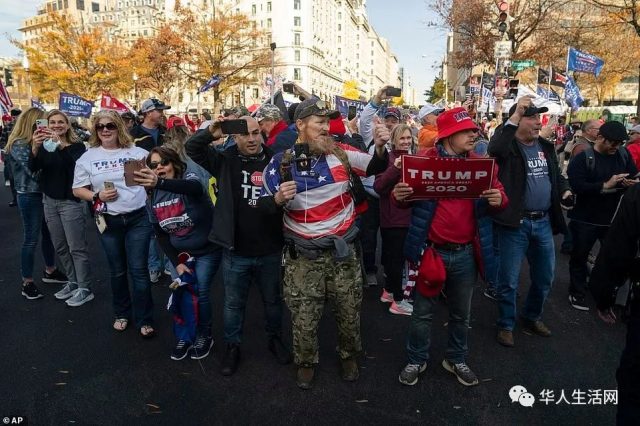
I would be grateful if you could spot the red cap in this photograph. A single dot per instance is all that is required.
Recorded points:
(453, 121)
(175, 121)
(336, 126)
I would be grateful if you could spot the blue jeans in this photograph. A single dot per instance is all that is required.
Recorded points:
(32, 215)
(155, 256)
(239, 272)
(461, 278)
(533, 239)
(126, 245)
(206, 268)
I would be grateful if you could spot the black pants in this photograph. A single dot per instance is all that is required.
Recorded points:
(393, 259)
(628, 374)
(584, 237)
(369, 234)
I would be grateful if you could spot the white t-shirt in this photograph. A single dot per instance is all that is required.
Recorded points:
(98, 165)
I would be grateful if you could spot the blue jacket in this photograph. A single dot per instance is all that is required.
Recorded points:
(421, 218)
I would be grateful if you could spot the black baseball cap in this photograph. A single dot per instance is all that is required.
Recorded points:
(614, 131)
(314, 107)
(531, 110)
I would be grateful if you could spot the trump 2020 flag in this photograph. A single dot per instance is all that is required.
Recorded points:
(572, 93)
(212, 82)
(74, 105)
(584, 62)
(37, 104)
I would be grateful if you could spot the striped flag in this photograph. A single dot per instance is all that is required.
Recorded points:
(5, 99)
(212, 82)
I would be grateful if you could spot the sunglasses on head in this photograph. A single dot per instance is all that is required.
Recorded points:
(154, 164)
(108, 126)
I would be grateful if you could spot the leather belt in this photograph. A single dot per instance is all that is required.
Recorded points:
(450, 246)
(534, 215)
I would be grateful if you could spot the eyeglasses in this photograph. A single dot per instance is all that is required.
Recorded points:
(109, 126)
(154, 164)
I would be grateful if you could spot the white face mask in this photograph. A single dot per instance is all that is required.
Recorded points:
(50, 145)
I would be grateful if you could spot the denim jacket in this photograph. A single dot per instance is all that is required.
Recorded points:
(25, 180)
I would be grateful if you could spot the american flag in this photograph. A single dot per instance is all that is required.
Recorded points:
(323, 205)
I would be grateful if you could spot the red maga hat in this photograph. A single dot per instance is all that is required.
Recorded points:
(453, 121)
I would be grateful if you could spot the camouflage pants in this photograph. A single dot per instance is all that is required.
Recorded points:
(307, 285)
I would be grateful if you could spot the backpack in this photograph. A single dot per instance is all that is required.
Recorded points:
(591, 159)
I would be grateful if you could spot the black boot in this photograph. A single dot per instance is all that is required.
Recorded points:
(230, 360)
(281, 352)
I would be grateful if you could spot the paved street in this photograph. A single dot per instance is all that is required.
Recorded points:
(64, 365)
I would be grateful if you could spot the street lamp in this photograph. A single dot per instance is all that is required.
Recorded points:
(273, 76)
(135, 89)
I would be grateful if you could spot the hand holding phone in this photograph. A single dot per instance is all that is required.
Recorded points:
(131, 166)
(393, 92)
(234, 127)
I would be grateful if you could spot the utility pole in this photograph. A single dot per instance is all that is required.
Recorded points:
(273, 75)
(638, 100)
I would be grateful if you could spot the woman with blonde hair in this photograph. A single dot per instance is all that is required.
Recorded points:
(55, 152)
(394, 223)
(122, 219)
(29, 197)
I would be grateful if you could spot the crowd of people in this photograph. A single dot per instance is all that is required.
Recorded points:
(295, 201)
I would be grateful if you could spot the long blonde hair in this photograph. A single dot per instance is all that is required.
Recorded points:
(124, 138)
(69, 134)
(24, 127)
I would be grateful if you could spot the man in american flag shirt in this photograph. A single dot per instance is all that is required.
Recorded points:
(322, 260)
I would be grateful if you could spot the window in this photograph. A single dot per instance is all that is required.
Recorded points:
(296, 39)
(296, 55)
(268, 6)
(296, 5)
(339, 51)
(95, 7)
(339, 15)
(339, 39)
(296, 21)
(79, 4)
(339, 27)
(268, 22)
(297, 75)
(253, 10)
(255, 93)
(145, 33)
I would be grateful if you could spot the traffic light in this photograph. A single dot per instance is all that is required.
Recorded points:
(503, 7)
(8, 77)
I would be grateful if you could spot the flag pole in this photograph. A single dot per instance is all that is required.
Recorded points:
(549, 81)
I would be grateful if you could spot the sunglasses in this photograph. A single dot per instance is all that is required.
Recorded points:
(108, 126)
(154, 164)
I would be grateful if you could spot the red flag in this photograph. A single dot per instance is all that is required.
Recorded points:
(109, 102)
(5, 99)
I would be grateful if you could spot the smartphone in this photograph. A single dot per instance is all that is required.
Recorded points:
(109, 185)
(234, 127)
(352, 112)
(131, 166)
(288, 87)
(393, 92)
(42, 123)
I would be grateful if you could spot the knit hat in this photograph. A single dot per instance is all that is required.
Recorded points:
(453, 121)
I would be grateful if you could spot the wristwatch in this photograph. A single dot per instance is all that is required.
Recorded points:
(96, 196)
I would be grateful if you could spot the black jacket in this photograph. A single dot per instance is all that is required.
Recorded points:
(512, 173)
(144, 140)
(615, 262)
(219, 164)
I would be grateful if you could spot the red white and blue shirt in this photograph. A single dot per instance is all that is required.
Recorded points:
(323, 204)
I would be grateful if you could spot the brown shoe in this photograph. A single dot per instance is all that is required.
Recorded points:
(304, 377)
(505, 338)
(350, 372)
(535, 327)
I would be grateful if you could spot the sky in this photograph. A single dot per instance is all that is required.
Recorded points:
(419, 48)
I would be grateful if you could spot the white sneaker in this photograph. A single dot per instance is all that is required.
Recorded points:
(401, 308)
(154, 276)
(372, 280)
(66, 292)
(80, 297)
